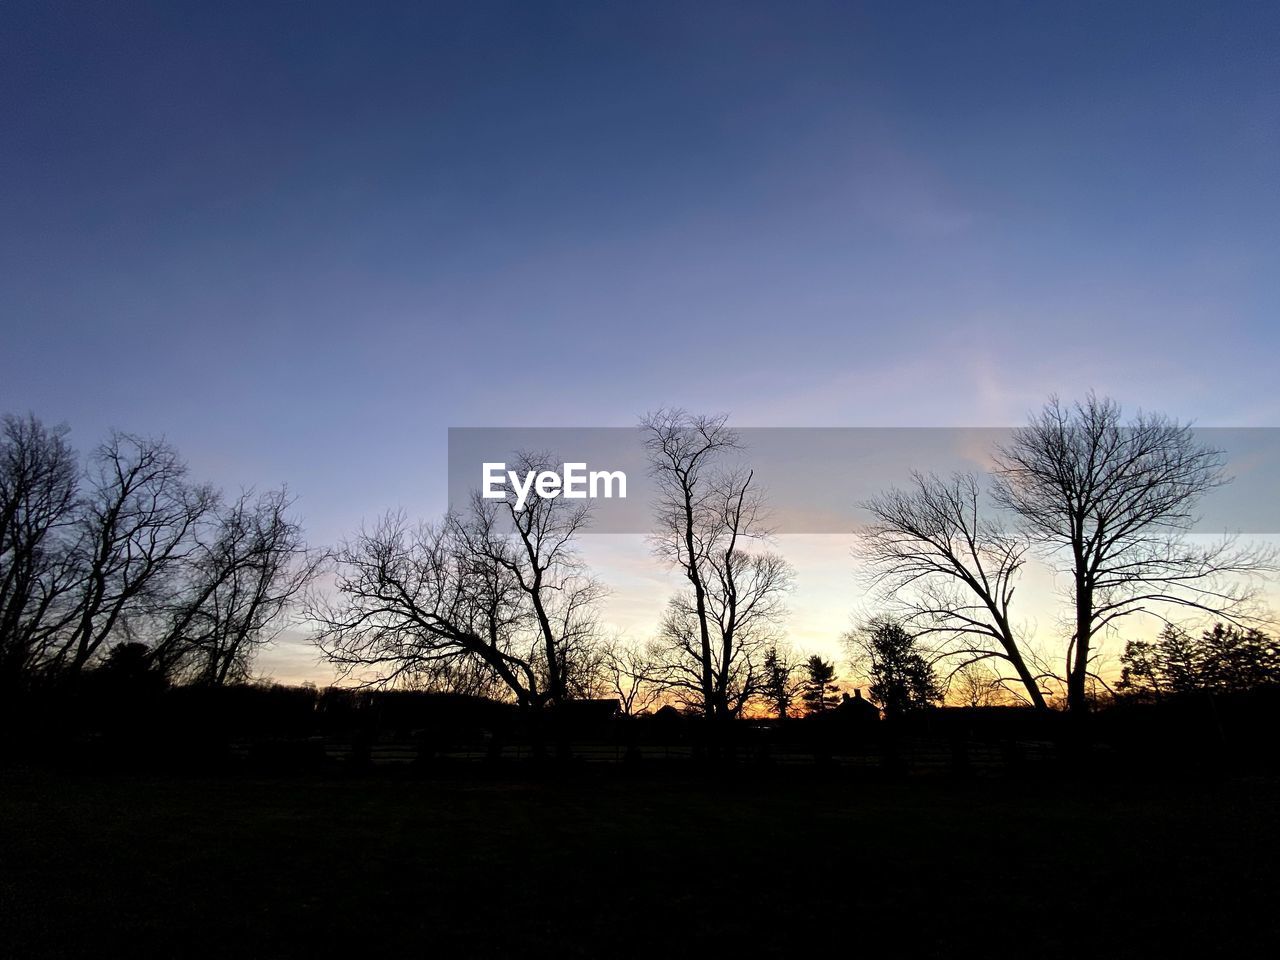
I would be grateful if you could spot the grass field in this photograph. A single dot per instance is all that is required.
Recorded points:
(600, 865)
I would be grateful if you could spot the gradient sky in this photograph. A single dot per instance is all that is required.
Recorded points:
(302, 240)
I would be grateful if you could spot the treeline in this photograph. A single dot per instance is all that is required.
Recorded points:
(494, 599)
(119, 560)
(1223, 659)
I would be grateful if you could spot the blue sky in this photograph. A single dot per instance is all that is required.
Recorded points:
(303, 239)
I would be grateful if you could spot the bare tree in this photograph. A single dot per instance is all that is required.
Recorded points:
(708, 515)
(536, 546)
(495, 592)
(742, 614)
(129, 551)
(410, 598)
(245, 573)
(950, 572)
(134, 530)
(466, 676)
(974, 684)
(1111, 504)
(38, 482)
(636, 673)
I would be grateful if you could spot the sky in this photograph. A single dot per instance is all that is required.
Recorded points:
(302, 240)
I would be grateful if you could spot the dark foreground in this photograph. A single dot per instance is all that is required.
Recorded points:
(599, 865)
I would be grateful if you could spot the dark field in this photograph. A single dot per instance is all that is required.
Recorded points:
(600, 865)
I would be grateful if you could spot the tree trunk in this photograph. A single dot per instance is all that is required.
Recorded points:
(1077, 690)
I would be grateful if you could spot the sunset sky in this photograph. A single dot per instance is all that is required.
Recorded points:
(303, 240)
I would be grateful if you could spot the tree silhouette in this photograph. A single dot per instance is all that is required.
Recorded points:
(536, 547)
(134, 532)
(780, 684)
(636, 674)
(1110, 503)
(818, 690)
(1224, 659)
(471, 594)
(38, 486)
(127, 553)
(708, 514)
(243, 573)
(950, 571)
(976, 685)
(902, 679)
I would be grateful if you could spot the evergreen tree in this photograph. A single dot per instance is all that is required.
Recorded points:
(1224, 659)
(902, 679)
(779, 687)
(819, 685)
